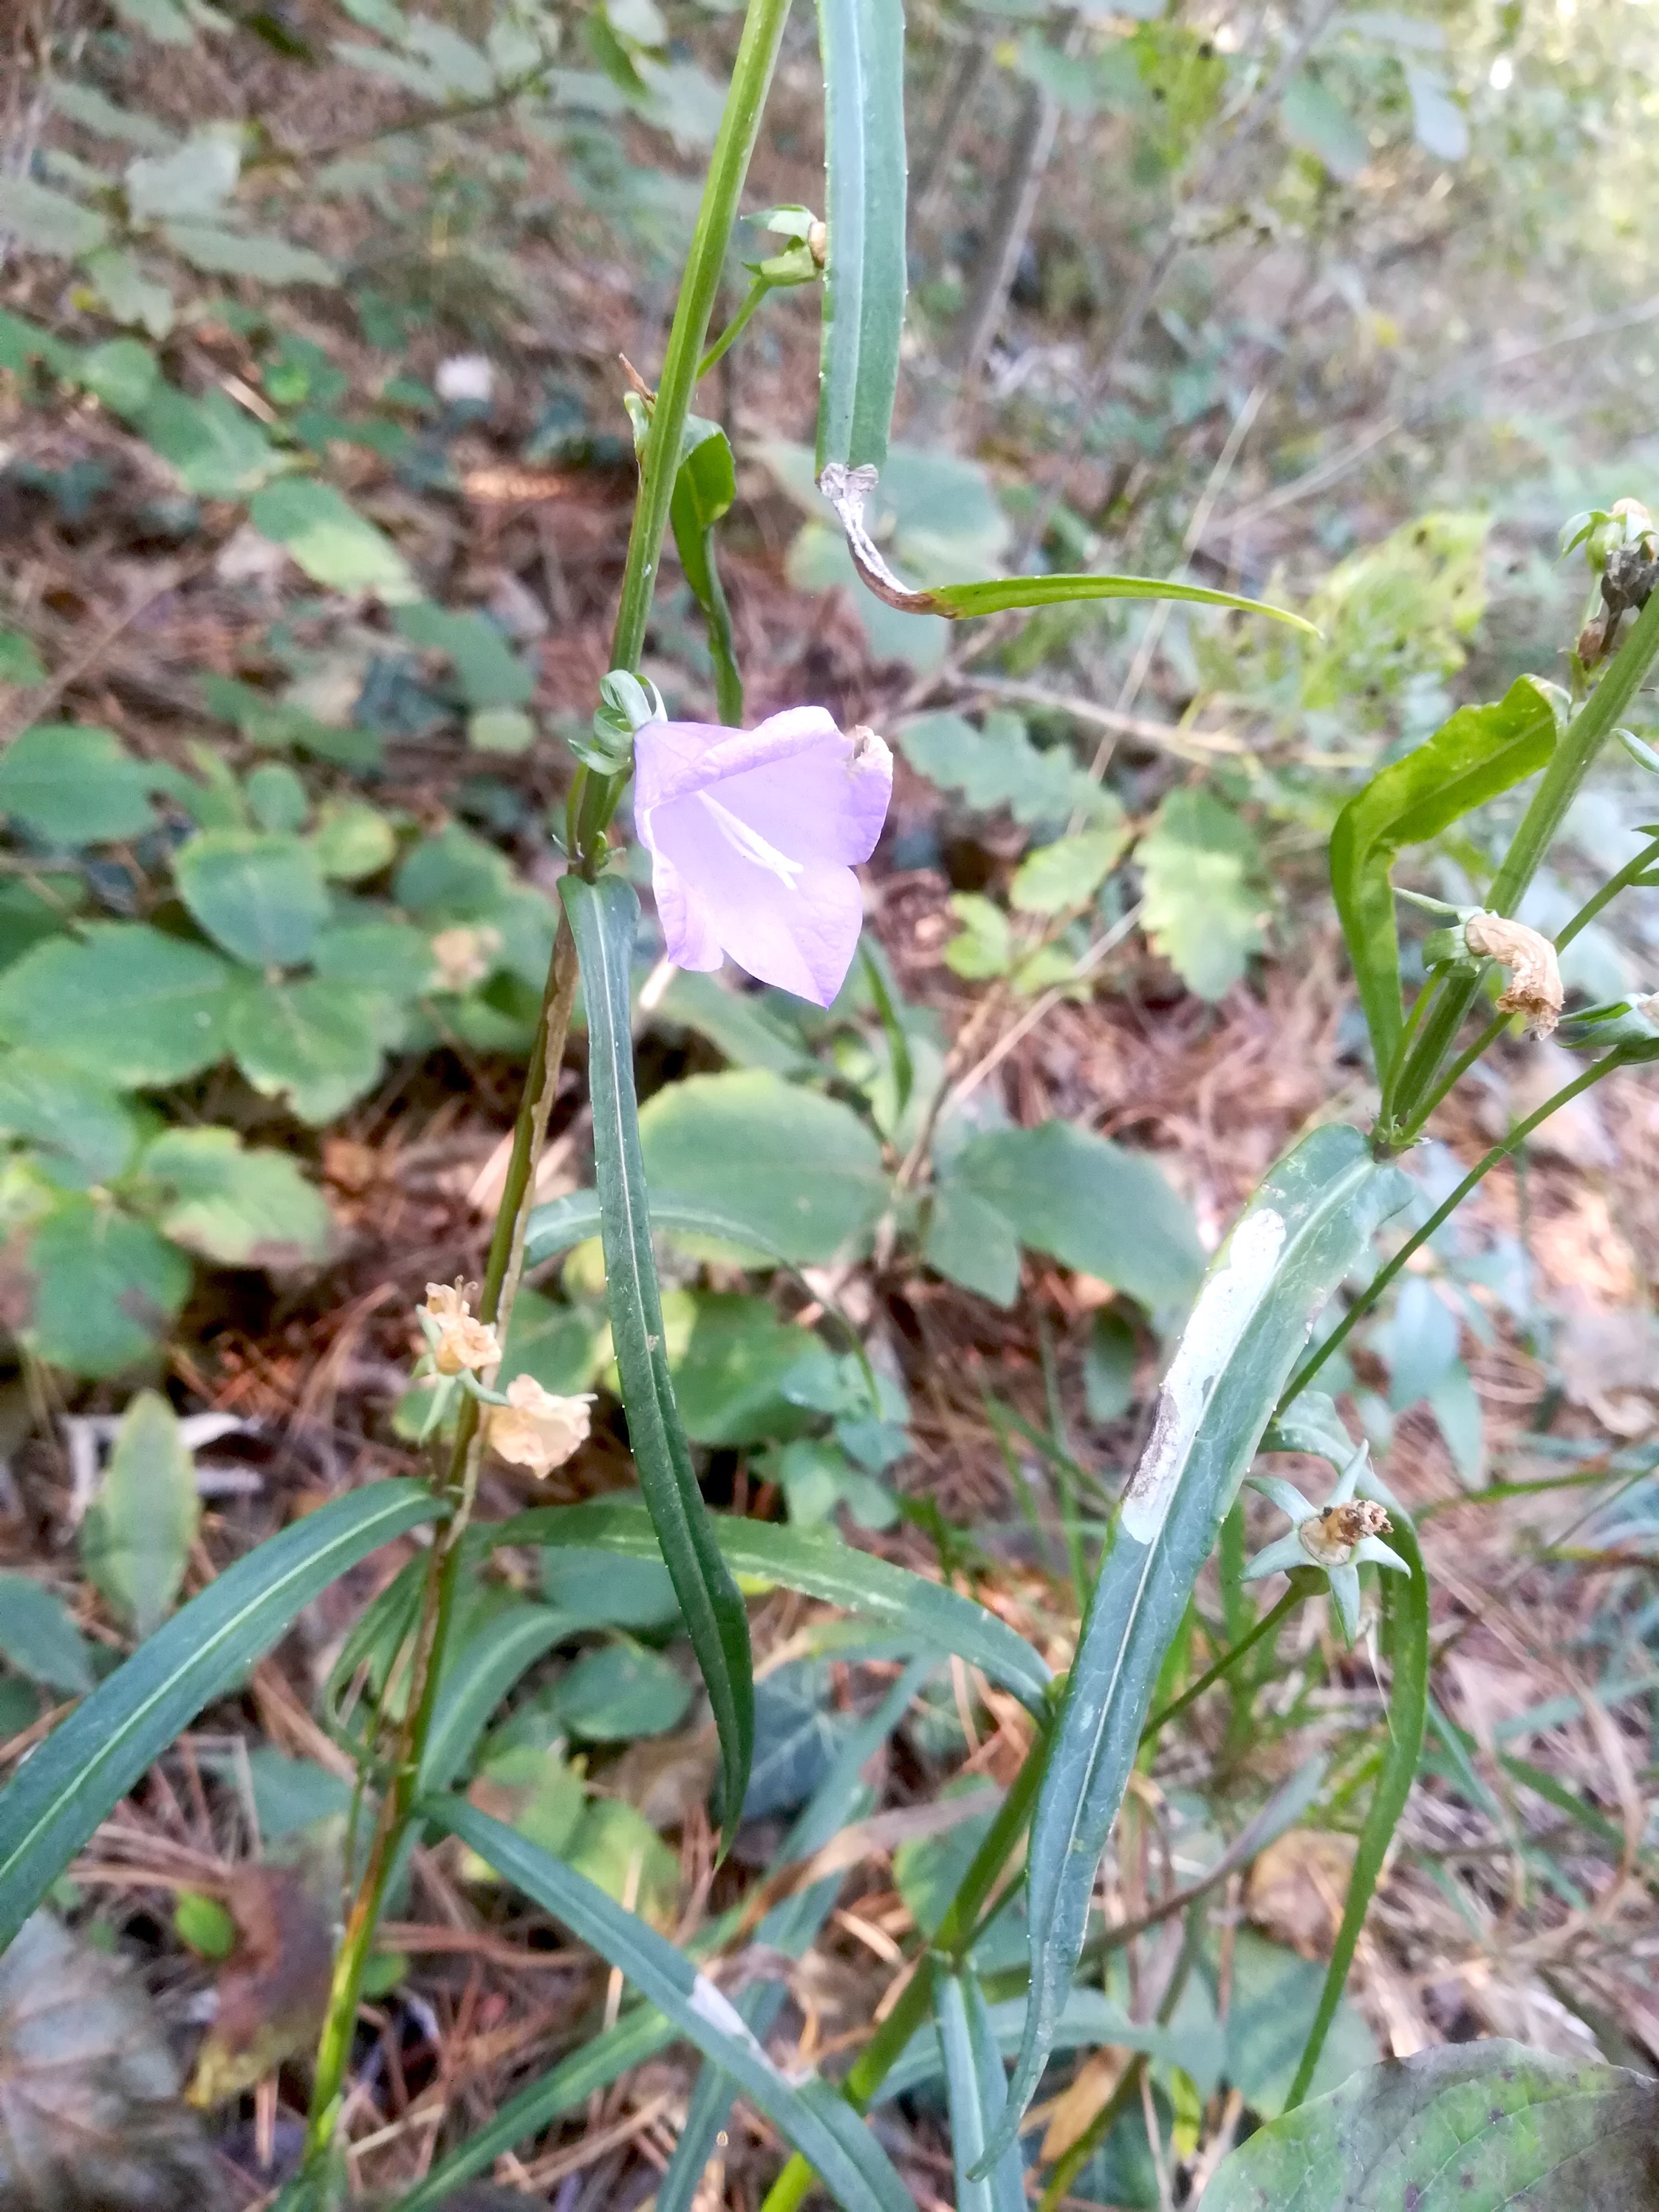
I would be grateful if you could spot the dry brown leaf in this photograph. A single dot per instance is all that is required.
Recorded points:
(1297, 1887)
(273, 1989)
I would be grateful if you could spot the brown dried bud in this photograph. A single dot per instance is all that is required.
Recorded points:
(1592, 641)
(1534, 988)
(817, 243)
(463, 1340)
(535, 1429)
(1330, 1538)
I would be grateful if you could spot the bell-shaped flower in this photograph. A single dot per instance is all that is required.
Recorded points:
(535, 1429)
(1335, 1537)
(754, 835)
(457, 1340)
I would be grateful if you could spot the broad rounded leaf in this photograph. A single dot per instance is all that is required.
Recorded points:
(137, 1540)
(313, 1044)
(121, 372)
(74, 785)
(197, 178)
(259, 254)
(39, 1636)
(104, 1286)
(620, 1691)
(127, 1002)
(801, 1171)
(1090, 1203)
(247, 1209)
(1204, 906)
(327, 537)
(353, 840)
(217, 450)
(258, 893)
(81, 1131)
(45, 222)
(1466, 2128)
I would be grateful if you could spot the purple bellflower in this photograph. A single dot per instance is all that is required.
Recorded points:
(754, 835)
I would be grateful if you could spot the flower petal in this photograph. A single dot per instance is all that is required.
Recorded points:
(1277, 1559)
(1374, 1550)
(688, 934)
(1284, 1495)
(1349, 1477)
(1344, 1595)
(799, 935)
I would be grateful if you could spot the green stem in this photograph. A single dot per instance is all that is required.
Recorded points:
(502, 1270)
(1632, 872)
(952, 1940)
(751, 74)
(1454, 1075)
(1408, 1702)
(1570, 764)
(1385, 1116)
(1442, 1213)
(735, 328)
(1224, 1665)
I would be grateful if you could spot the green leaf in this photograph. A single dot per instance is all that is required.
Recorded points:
(45, 221)
(971, 1241)
(129, 295)
(104, 1287)
(58, 1796)
(998, 766)
(353, 840)
(639, 2035)
(814, 2117)
(1314, 120)
(39, 1636)
(85, 105)
(216, 449)
(820, 1566)
(556, 1344)
(618, 1850)
(704, 488)
(126, 1002)
(500, 730)
(388, 959)
(276, 797)
(1088, 1202)
(257, 893)
(327, 537)
(1457, 2129)
(619, 1691)
(1066, 874)
(202, 1925)
(135, 1541)
(985, 945)
(602, 1589)
(122, 374)
(19, 664)
(476, 1678)
(82, 1133)
(490, 673)
(797, 1170)
(565, 1222)
(165, 21)
(862, 43)
(732, 1362)
(259, 254)
(976, 2090)
(1438, 123)
(998, 593)
(74, 785)
(741, 1024)
(1310, 1222)
(453, 877)
(244, 1209)
(315, 1045)
(1204, 904)
(194, 180)
(605, 919)
(1480, 752)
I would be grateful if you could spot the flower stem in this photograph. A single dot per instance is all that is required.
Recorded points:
(1224, 1664)
(734, 329)
(504, 1265)
(1569, 765)
(1442, 1213)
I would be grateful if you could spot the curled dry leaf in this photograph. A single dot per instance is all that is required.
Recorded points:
(91, 2119)
(273, 1989)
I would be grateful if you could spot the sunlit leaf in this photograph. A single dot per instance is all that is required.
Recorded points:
(137, 1538)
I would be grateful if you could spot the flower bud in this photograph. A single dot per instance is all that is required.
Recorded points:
(534, 1429)
(459, 1340)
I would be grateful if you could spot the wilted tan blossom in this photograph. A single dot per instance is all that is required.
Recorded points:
(1330, 1537)
(462, 1339)
(534, 1429)
(464, 955)
(1534, 988)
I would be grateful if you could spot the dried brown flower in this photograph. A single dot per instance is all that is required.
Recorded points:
(535, 1429)
(1534, 987)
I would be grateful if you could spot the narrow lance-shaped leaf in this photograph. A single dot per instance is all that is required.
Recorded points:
(976, 2089)
(1479, 752)
(790, 1927)
(817, 2121)
(604, 919)
(61, 1792)
(862, 42)
(1308, 1225)
(820, 1566)
(704, 490)
(847, 490)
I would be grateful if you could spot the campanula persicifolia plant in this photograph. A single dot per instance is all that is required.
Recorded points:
(755, 837)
